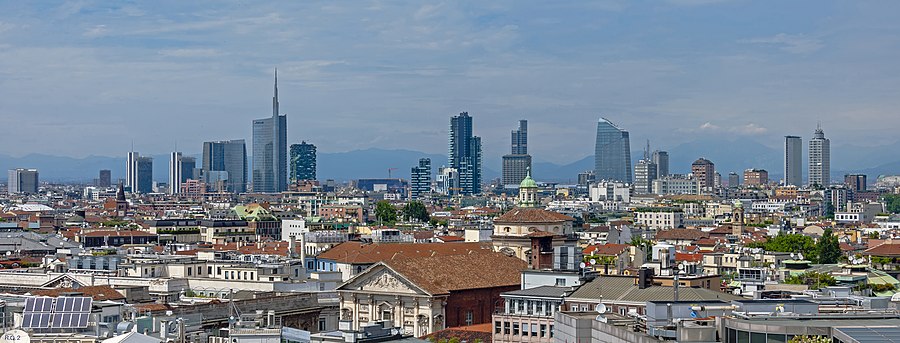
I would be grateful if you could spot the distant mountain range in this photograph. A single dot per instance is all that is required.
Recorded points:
(728, 156)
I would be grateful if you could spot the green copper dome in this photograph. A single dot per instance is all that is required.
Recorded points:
(528, 182)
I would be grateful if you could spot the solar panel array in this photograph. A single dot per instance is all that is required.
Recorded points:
(58, 313)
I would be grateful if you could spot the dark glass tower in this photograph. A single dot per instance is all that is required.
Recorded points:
(518, 162)
(420, 179)
(303, 162)
(465, 154)
(225, 161)
(612, 154)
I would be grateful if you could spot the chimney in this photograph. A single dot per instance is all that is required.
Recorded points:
(292, 246)
(303, 249)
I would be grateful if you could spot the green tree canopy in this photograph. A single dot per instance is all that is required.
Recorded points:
(416, 210)
(892, 203)
(385, 212)
(828, 249)
(790, 242)
(814, 280)
(810, 339)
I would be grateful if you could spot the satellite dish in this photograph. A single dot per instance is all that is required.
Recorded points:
(601, 318)
(800, 256)
(593, 261)
(601, 308)
(582, 265)
(693, 314)
(793, 255)
(681, 267)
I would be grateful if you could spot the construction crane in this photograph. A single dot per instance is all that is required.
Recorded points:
(389, 171)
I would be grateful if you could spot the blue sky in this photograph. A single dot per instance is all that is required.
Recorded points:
(88, 77)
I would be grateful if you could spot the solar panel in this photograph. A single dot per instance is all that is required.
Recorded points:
(72, 312)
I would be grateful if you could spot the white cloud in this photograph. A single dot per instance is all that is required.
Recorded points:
(96, 31)
(707, 126)
(750, 129)
(190, 52)
(795, 44)
(6, 26)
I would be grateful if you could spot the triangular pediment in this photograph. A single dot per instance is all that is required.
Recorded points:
(381, 279)
(63, 281)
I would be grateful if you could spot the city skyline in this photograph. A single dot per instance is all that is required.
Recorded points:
(169, 76)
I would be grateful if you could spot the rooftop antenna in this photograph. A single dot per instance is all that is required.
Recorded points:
(647, 151)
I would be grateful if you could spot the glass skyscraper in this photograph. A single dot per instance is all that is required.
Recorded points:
(270, 150)
(420, 179)
(518, 162)
(303, 162)
(819, 159)
(465, 154)
(612, 154)
(225, 162)
(793, 161)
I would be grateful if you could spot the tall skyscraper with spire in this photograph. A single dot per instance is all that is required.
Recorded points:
(270, 150)
(819, 159)
(612, 153)
(465, 154)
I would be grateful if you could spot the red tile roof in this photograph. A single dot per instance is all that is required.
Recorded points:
(885, 249)
(98, 293)
(681, 234)
(474, 270)
(532, 215)
(451, 238)
(610, 249)
(360, 253)
(688, 257)
(471, 333)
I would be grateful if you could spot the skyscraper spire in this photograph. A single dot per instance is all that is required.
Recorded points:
(275, 98)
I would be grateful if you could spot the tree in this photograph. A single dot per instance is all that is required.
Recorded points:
(791, 242)
(416, 210)
(814, 280)
(874, 235)
(892, 203)
(828, 249)
(642, 244)
(385, 212)
(829, 210)
(810, 339)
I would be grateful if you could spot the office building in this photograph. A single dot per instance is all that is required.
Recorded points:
(131, 170)
(181, 168)
(756, 177)
(303, 162)
(644, 174)
(465, 154)
(420, 179)
(661, 159)
(270, 150)
(676, 185)
(225, 164)
(143, 175)
(22, 181)
(856, 182)
(734, 180)
(105, 179)
(793, 161)
(612, 153)
(518, 162)
(585, 178)
(819, 159)
(447, 181)
(705, 172)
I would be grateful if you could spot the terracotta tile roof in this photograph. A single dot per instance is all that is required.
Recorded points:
(885, 249)
(609, 249)
(532, 215)
(681, 234)
(116, 233)
(152, 307)
(423, 234)
(451, 238)
(359, 253)
(97, 292)
(688, 257)
(471, 333)
(474, 270)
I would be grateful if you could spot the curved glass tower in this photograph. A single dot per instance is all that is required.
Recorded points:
(612, 154)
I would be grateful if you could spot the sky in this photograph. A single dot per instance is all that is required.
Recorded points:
(81, 78)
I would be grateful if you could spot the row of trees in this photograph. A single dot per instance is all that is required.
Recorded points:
(386, 213)
(826, 251)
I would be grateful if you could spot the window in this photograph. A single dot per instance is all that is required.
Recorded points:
(322, 326)
(515, 330)
(534, 328)
(470, 317)
(543, 330)
(218, 270)
(189, 269)
(505, 328)
(209, 270)
(525, 328)
(551, 330)
(560, 282)
(497, 327)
